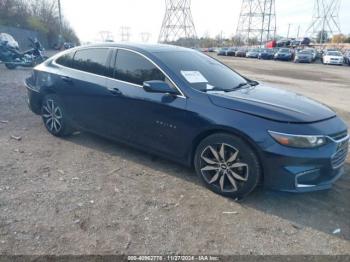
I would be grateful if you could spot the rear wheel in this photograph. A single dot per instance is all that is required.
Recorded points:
(227, 165)
(54, 116)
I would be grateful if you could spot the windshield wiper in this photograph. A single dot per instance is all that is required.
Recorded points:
(251, 83)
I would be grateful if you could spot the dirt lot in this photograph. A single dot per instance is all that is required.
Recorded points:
(87, 195)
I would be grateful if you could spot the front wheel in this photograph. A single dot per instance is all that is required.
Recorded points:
(54, 116)
(227, 165)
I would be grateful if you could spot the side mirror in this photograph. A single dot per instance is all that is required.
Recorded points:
(159, 87)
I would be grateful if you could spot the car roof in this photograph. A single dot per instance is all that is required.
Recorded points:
(150, 48)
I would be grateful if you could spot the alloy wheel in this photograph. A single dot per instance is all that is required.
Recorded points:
(222, 167)
(52, 116)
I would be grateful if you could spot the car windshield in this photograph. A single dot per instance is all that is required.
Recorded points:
(267, 51)
(284, 50)
(334, 53)
(305, 52)
(200, 71)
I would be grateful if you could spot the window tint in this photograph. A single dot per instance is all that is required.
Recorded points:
(134, 68)
(66, 60)
(91, 60)
(208, 71)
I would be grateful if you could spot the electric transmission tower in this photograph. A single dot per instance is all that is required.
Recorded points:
(178, 22)
(145, 36)
(325, 20)
(257, 21)
(106, 36)
(125, 33)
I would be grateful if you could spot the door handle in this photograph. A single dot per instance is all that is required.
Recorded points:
(115, 91)
(67, 79)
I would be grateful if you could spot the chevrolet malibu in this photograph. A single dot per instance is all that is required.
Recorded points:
(188, 107)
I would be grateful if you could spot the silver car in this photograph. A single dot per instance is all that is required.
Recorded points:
(303, 56)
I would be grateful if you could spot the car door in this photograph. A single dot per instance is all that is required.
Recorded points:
(83, 88)
(152, 120)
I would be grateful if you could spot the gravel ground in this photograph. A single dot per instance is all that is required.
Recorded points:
(87, 195)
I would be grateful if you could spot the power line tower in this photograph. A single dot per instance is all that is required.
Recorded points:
(325, 20)
(106, 36)
(125, 33)
(257, 21)
(145, 36)
(178, 22)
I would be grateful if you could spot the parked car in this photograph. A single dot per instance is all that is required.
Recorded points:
(253, 53)
(347, 58)
(324, 51)
(241, 52)
(68, 45)
(231, 51)
(333, 58)
(184, 105)
(314, 53)
(266, 54)
(283, 43)
(211, 49)
(303, 56)
(301, 42)
(284, 54)
(222, 51)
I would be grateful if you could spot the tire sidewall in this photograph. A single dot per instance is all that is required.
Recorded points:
(246, 153)
(65, 129)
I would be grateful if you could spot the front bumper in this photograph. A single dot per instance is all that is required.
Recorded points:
(303, 60)
(283, 58)
(305, 170)
(334, 62)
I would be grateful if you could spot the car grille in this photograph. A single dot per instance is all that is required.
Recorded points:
(340, 156)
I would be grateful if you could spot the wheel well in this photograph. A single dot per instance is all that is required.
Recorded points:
(43, 94)
(208, 133)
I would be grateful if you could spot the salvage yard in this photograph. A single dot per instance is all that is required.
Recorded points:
(87, 195)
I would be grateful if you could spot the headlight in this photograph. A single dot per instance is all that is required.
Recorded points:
(298, 141)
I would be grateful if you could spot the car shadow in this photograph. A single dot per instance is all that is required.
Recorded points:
(324, 211)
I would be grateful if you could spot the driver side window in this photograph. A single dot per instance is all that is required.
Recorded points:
(133, 68)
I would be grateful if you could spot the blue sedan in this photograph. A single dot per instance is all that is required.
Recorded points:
(188, 107)
(284, 54)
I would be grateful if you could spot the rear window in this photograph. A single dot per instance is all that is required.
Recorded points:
(92, 60)
(66, 59)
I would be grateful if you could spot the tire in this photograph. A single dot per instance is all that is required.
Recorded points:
(10, 66)
(54, 116)
(227, 165)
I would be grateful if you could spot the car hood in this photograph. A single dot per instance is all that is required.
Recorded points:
(333, 57)
(272, 103)
(304, 55)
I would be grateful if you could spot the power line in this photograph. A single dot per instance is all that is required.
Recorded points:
(177, 22)
(325, 19)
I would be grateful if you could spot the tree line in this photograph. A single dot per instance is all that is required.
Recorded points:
(41, 16)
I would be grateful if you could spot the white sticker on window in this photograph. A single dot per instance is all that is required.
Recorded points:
(210, 87)
(194, 77)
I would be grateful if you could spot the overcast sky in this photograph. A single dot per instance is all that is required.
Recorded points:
(88, 18)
